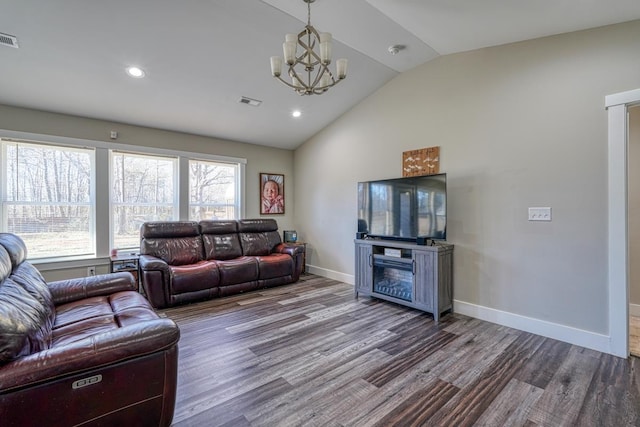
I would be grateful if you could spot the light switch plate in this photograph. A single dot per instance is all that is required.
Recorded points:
(539, 214)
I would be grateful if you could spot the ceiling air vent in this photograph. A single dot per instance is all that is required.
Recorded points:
(250, 101)
(8, 40)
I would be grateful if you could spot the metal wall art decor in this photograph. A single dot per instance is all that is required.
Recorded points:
(425, 161)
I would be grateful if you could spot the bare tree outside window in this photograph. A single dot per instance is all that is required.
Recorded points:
(48, 194)
(47, 198)
(212, 190)
(142, 189)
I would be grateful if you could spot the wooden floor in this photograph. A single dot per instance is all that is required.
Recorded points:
(309, 354)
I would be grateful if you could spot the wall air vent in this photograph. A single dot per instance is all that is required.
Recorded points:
(249, 101)
(8, 40)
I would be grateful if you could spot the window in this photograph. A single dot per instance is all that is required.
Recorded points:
(213, 190)
(143, 188)
(47, 197)
(72, 200)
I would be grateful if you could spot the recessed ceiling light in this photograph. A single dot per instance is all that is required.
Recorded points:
(296, 113)
(135, 72)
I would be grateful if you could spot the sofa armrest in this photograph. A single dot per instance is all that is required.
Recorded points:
(150, 262)
(93, 352)
(291, 249)
(296, 251)
(65, 291)
(155, 275)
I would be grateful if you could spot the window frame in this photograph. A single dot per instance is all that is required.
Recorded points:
(101, 176)
(4, 216)
(174, 204)
(237, 193)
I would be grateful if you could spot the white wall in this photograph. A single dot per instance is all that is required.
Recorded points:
(519, 125)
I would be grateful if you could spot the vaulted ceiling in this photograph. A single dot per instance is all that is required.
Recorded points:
(201, 57)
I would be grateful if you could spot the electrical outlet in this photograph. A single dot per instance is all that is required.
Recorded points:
(539, 214)
(91, 271)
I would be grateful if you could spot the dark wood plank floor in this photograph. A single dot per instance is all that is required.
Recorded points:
(310, 354)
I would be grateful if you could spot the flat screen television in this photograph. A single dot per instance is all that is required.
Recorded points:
(404, 208)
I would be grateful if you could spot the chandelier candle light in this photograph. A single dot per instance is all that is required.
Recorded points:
(313, 76)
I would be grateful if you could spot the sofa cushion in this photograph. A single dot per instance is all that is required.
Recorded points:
(257, 225)
(24, 274)
(194, 277)
(27, 276)
(91, 316)
(221, 246)
(220, 239)
(5, 264)
(82, 310)
(27, 312)
(15, 248)
(255, 244)
(275, 265)
(177, 243)
(258, 236)
(23, 322)
(82, 329)
(238, 270)
(218, 226)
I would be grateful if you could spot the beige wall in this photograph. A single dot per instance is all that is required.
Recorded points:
(259, 158)
(519, 125)
(634, 205)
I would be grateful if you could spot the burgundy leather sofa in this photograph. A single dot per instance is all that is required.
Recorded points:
(87, 351)
(187, 261)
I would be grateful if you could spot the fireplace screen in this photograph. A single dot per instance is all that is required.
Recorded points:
(393, 278)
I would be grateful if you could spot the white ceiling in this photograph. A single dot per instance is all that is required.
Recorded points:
(202, 56)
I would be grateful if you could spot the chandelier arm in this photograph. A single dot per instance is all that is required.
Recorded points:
(307, 90)
(287, 83)
(303, 88)
(310, 85)
(321, 70)
(310, 45)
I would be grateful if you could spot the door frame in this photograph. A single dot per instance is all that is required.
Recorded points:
(618, 245)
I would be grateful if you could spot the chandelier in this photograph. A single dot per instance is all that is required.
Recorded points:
(308, 69)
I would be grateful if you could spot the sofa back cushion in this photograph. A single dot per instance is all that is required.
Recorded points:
(175, 242)
(220, 239)
(258, 236)
(27, 312)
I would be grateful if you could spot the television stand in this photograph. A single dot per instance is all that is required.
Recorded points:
(417, 276)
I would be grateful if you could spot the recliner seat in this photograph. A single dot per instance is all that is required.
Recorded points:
(88, 350)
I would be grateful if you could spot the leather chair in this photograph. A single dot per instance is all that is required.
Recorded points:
(188, 261)
(88, 351)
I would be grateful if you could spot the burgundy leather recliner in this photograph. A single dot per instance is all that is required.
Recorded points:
(188, 261)
(88, 351)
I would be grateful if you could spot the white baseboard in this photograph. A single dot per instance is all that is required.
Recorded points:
(634, 310)
(556, 331)
(331, 274)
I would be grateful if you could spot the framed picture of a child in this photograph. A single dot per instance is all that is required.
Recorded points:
(271, 193)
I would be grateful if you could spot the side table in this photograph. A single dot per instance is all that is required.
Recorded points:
(125, 262)
(304, 254)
